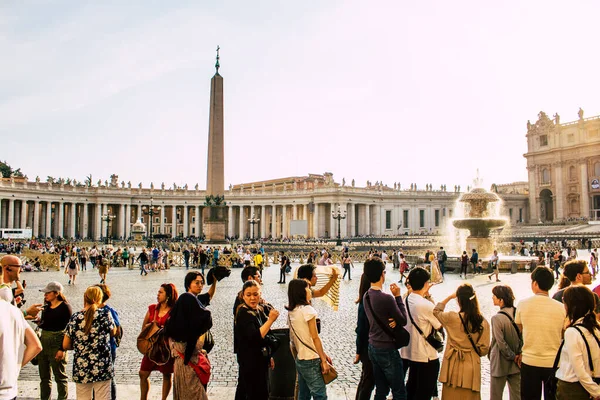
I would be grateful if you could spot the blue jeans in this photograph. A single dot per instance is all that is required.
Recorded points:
(143, 267)
(388, 372)
(310, 380)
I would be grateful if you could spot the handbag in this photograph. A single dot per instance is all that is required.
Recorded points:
(435, 338)
(152, 343)
(327, 377)
(209, 341)
(201, 368)
(399, 334)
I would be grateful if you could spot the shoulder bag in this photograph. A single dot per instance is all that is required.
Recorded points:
(469, 335)
(328, 377)
(512, 321)
(435, 338)
(399, 334)
(152, 343)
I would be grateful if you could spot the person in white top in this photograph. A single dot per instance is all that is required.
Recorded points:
(575, 373)
(541, 320)
(311, 360)
(18, 345)
(422, 358)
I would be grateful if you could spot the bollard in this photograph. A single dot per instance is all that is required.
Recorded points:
(282, 379)
(513, 267)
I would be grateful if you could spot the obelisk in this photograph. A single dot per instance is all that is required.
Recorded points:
(215, 217)
(215, 182)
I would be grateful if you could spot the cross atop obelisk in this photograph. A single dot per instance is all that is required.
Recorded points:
(215, 182)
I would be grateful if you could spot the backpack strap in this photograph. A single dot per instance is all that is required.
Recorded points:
(513, 324)
(469, 335)
(587, 347)
(383, 327)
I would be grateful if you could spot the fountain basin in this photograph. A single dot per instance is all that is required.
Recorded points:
(479, 227)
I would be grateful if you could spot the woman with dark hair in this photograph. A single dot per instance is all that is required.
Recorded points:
(581, 343)
(346, 263)
(311, 360)
(186, 328)
(254, 350)
(88, 333)
(507, 343)
(367, 380)
(72, 267)
(468, 340)
(159, 313)
(55, 316)
(464, 264)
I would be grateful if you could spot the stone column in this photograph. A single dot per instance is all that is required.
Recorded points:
(344, 223)
(85, 232)
(585, 194)
(10, 214)
(533, 206)
(230, 220)
(72, 219)
(274, 221)
(305, 213)
(367, 219)
(139, 211)
(23, 219)
(253, 228)
(263, 222)
(294, 212)
(284, 227)
(127, 221)
(185, 221)
(61, 220)
(174, 221)
(98, 222)
(197, 221)
(560, 195)
(36, 218)
(242, 223)
(48, 227)
(316, 230)
(162, 214)
(121, 223)
(351, 217)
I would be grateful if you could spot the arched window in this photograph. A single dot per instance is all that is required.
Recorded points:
(572, 173)
(545, 176)
(597, 169)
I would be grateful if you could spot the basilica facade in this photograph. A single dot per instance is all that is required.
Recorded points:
(563, 163)
(281, 208)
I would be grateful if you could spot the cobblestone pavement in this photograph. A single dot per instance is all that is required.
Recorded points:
(133, 293)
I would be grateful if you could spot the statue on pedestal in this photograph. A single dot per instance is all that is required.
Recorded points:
(343, 181)
(557, 119)
(37, 179)
(106, 183)
(129, 184)
(122, 184)
(230, 187)
(580, 113)
(196, 187)
(295, 186)
(185, 187)
(353, 182)
(140, 185)
(263, 187)
(152, 185)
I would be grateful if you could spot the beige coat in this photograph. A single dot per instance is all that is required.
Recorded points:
(461, 366)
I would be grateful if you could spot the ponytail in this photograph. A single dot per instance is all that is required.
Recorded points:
(92, 298)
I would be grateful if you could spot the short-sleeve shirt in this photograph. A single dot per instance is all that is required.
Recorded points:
(300, 333)
(92, 361)
(12, 346)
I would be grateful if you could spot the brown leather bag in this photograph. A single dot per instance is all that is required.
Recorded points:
(147, 337)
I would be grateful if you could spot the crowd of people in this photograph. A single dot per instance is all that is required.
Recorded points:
(539, 346)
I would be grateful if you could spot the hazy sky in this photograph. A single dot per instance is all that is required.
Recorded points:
(399, 91)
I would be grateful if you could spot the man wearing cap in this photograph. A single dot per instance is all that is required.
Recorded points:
(11, 271)
(55, 317)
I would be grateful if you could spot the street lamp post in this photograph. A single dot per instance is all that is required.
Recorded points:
(253, 220)
(339, 214)
(107, 218)
(150, 212)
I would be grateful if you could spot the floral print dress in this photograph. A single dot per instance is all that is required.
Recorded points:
(92, 361)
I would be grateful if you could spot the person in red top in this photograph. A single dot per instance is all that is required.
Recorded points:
(159, 313)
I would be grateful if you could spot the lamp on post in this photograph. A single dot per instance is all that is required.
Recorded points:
(339, 214)
(253, 220)
(150, 211)
(107, 218)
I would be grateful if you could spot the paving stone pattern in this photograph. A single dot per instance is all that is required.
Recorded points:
(133, 293)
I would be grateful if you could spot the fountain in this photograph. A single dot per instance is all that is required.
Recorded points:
(478, 220)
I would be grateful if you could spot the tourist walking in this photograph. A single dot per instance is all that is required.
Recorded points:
(83, 257)
(186, 328)
(143, 260)
(103, 263)
(93, 255)
(468, 339)
(72, 267)
(579, 358)
(380, 306)
(55, 316)
(311, 360)
(474, 260)
(254, 347)
(464, 264)
(346, 263)
(203, 260)
(442, 258)
(495, 265)
(367, 380)
(403, 267)
(436, 273)
(594, 262)
(419, 356)
(541, 320)
(506, 347)
(158, 313)
(284, 264)
(88, 335)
